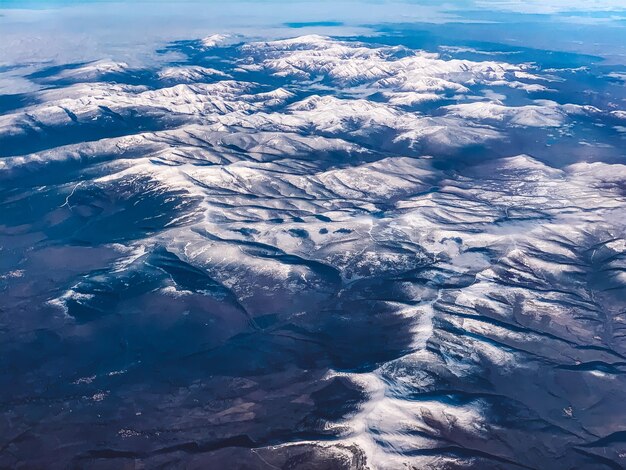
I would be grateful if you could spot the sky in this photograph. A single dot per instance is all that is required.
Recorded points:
(36, 32)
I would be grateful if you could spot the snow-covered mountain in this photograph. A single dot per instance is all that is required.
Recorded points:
(316, 252)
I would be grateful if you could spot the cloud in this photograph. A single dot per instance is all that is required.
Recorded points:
(553, 6)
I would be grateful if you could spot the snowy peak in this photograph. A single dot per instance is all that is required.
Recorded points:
(214, 40)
